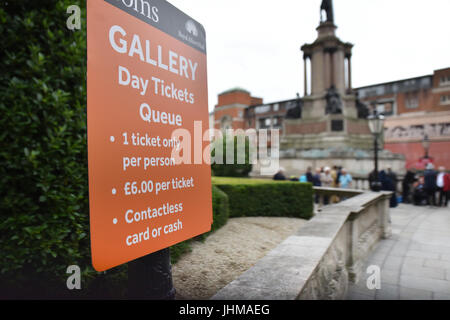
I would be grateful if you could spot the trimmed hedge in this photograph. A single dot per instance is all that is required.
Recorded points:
(267, 198)
(44, 223)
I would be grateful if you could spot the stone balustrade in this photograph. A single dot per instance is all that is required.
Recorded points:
(323, 256)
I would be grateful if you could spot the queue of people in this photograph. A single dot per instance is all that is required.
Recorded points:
(327, 177)
(336, 177)
(430, 188)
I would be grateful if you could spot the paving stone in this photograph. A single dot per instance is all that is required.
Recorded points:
(387, 292)
(424, 272)
(422, 254)
(392, 263)
(412, 261)
(415, 294)
(440, 296)
(390, 277)
(437, 263)
(428, 284)
(358, 296)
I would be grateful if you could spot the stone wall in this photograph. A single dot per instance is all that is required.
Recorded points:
(318, 261)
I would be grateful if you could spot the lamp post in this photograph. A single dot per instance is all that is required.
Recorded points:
(426, 146)
(376, 126)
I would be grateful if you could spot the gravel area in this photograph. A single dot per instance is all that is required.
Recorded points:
(227, 253)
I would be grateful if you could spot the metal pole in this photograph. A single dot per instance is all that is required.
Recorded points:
(376, 185)
(376, 157)
(150, 277)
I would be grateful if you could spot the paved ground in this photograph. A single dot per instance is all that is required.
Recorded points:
(415, 261)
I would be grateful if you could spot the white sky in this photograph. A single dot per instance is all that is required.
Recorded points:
(255, 44)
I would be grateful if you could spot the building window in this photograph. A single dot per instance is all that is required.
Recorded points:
(445, 81)
(265, 123)
(445, 99)
(412, 100)
(385, 108)
(277, 121)
(240, 114)
(226, 123)
(276, 107)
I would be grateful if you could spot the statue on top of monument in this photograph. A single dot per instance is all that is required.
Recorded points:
(334, 102)
(327, 6)
(294, 109)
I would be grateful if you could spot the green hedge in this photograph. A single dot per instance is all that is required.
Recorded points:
(44, 223)
(252, 197)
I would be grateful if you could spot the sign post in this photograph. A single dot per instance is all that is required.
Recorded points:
(147, 103)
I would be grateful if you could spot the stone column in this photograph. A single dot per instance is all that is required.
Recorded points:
(305, 64)
(317, 81)
(327, 69)
(349, 71)
(339, 71)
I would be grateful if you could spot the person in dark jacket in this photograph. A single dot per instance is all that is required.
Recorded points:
(309, 175)
(430, 186)
(279, 176)
(407, 183)
(388, 185)
(419, 195)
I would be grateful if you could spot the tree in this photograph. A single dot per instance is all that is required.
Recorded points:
(238, 163)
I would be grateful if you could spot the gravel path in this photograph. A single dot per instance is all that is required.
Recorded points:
(228, 253)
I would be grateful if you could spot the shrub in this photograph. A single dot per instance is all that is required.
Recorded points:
(231, 169)
(44, 225)
(252, 197)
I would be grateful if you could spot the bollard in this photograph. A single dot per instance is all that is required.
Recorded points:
(150, 277)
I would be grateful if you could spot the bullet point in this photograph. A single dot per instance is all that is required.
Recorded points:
(115, 220)
(114, 191)
(112, 139)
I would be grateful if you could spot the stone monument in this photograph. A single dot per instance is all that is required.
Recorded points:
(329, 125)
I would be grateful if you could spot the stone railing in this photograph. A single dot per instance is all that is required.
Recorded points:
(322, 257)
(329, 196)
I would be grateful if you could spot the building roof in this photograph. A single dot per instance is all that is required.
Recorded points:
(235, 89)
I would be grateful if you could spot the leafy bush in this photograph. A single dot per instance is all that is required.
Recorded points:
(44, 224)
(233, 169)
(252, 197)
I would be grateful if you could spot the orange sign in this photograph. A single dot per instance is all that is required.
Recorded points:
(146, 79)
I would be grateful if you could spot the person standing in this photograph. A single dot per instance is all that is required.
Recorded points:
(440, 185)
(309, 175)
(430, 184)
(446, 189)
(326, 178)
(327, 182)
(387, 184)
(345, 179)
(316, 178)
(407, 184)
(391, 174)
(317, 183)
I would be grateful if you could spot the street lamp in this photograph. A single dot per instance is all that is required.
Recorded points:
(426, 145)
(376, 126)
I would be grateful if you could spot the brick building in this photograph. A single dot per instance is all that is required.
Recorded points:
(414, 108)
(329, 123)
